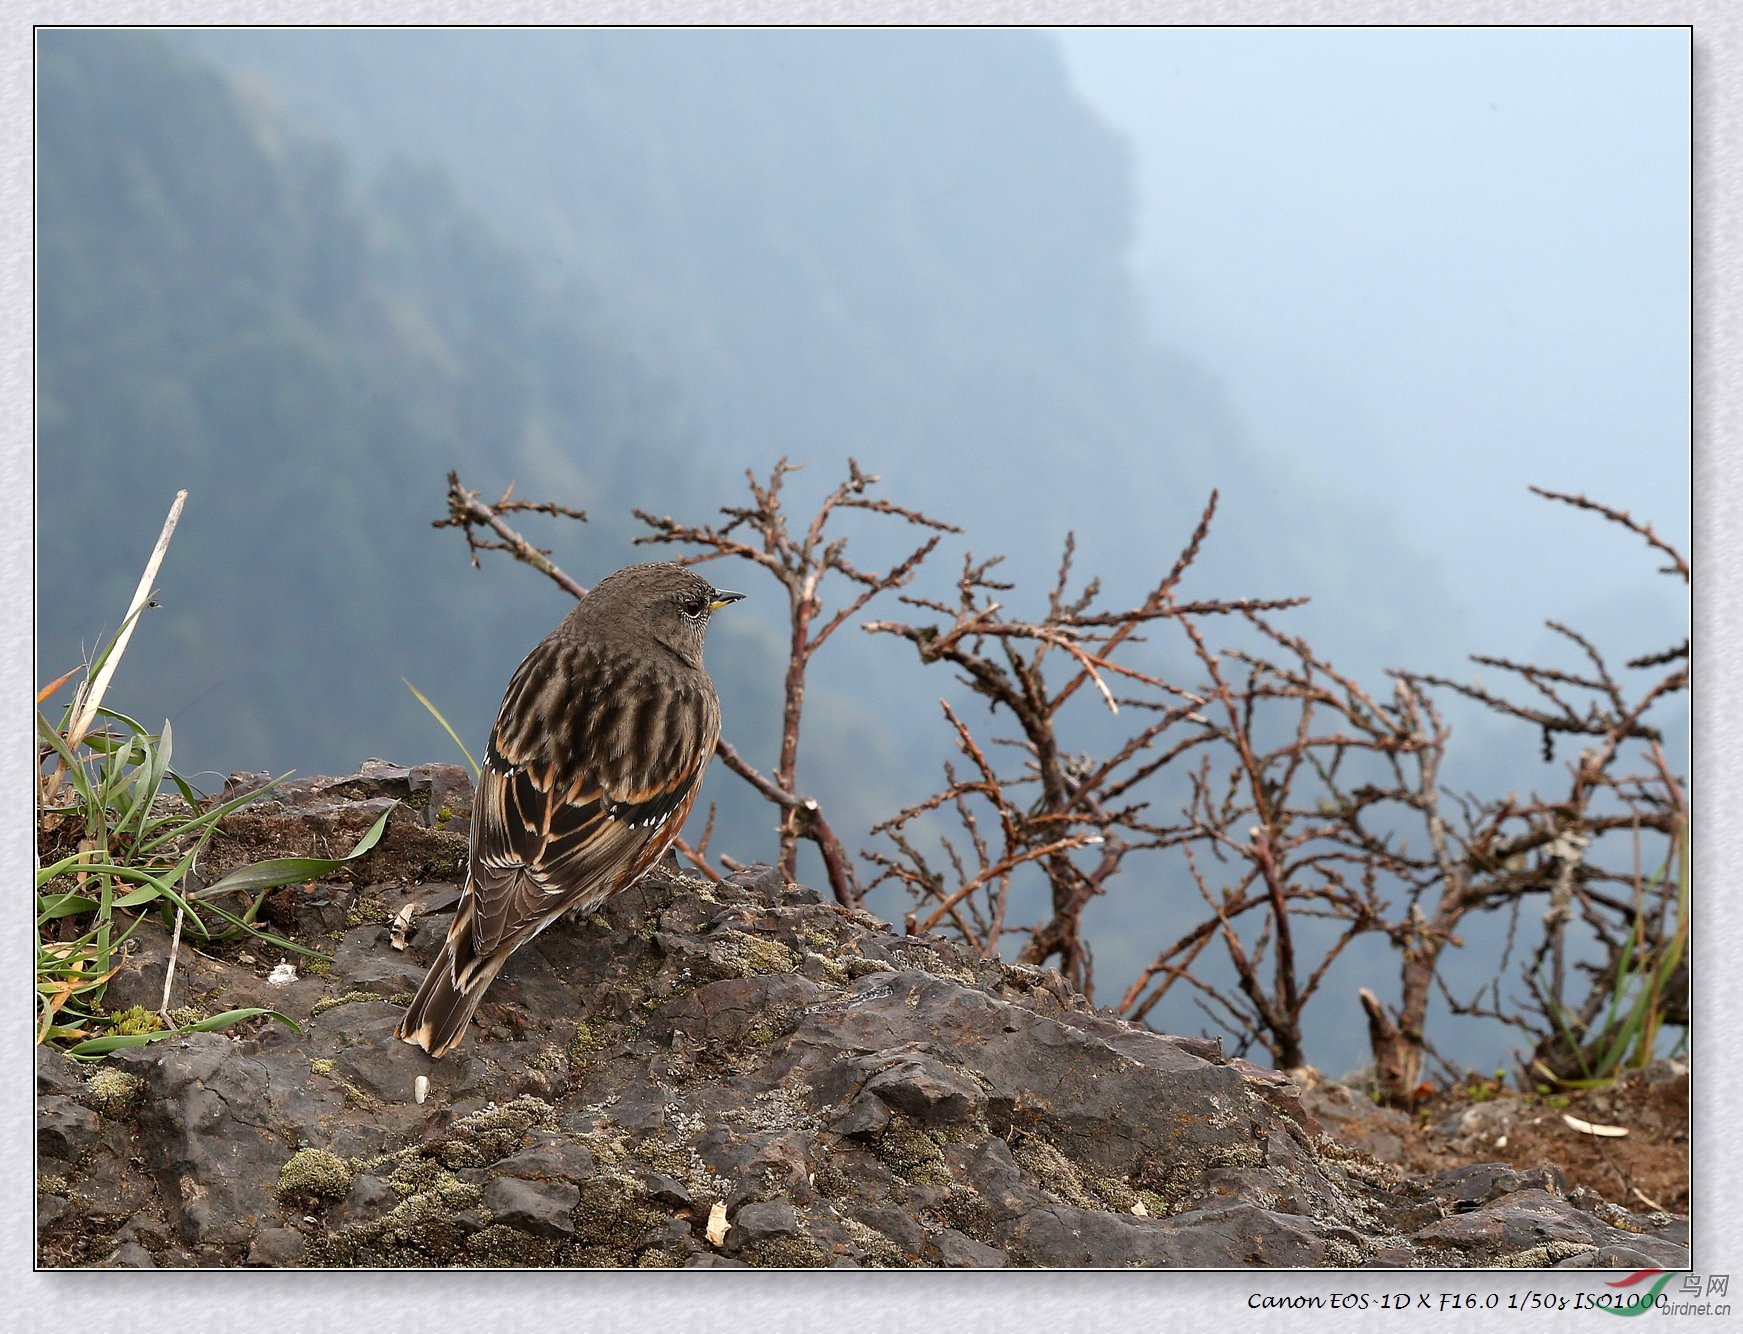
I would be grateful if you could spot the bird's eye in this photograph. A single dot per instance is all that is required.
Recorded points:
(693, 607)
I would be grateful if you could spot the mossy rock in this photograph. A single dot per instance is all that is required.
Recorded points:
(112, 1092)
(495, 1133)
(743, 955)
(613, 1216)
(499, 1247)
(349, 998)
(913, 1153)
(315, 1172)
(786, 1253)
(369, 906)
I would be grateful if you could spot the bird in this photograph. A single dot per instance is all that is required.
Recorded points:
(595, 758)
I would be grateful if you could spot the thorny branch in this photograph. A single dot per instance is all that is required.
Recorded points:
(467, 513)
(1498, 852)
(760, 533)
(1081, 826)
(1304, 786)
(1300, 790)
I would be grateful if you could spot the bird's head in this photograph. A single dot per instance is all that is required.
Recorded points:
(667, 602)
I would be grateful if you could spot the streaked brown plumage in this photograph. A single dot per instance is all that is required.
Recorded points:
(596, 757)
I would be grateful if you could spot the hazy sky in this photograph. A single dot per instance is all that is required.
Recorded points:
(1441, 263)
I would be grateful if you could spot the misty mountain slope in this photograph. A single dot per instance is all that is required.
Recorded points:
(613, 268)
(909, 246)
(223, 308)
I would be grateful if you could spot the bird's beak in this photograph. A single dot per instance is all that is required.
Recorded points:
(724, 599)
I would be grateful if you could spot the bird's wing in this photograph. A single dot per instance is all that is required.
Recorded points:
(575, 798)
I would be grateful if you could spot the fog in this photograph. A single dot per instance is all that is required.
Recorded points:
(1441, 264)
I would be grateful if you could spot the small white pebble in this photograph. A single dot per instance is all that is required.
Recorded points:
(283, 975)
(1140, 1210)
(402, 926)
(717, 1224)
(420, 1089)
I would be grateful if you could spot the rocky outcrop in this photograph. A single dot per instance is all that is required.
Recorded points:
(732, 1073)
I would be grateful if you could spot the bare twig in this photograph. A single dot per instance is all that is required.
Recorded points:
(467, 512)
(800, 563)
(1076, 828)
(1311, 799)
(1679, 564)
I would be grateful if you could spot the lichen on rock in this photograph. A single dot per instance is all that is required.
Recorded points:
(315, 1172)
(833, 1092)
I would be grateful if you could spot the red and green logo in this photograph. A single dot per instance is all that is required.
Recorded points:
(1642, 1302)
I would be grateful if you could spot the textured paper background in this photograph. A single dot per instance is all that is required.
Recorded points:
(961, 1303)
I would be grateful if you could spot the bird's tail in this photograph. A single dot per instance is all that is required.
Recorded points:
(436, 1019)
